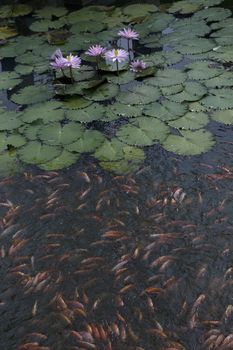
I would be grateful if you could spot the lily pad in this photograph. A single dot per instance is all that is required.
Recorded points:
(214, 14)
(50, 11)
(14, 10)
(167, 77)
(143, 131)
(10, 120)
(166, 111)
(104, 92)
(191, 121)
(7, 32)
(87, 142)
(136, 11)
(55, 134)
(203, 70)
(223, 80)
(14, 140)
(35, 152)
(9, 80)
(95, 111)
(64, 160)
(9, 165)
(218, 99)
(139, 94)
(189, 142)
(225, 117)
(76, 102)
(184, 7)
(192, 91)
(32, 94)
(48, 112)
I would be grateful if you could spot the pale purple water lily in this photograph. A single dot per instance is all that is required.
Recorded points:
(56, 54)
(59, 63)
(117, 55)
(95, 50)
(73, 61)
(129, 34)
(137, 65)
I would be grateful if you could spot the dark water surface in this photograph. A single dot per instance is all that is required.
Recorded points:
(91, 260)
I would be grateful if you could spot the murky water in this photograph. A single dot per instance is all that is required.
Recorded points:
(91, 260)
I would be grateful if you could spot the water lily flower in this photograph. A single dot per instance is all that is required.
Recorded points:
(117, 55)
(129, 34)
(137, 65)
(95, 50)
(73, 61)
(56, 54)
(59, 63)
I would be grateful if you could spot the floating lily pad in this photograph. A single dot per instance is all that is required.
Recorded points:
(166, 111)
(222, 54)
(193, 46)
(143, 131)
(218, 99)
(124, 110)
(214, 14)
(124, 78)
(139, 94)
(192, 91)
(139, 10)
(87, 142)
(23, 69)
(76, 102)
(184, 7)
(9, 80)
(55, 134)
(9, 165)
(167, 77)
(110, 150)
(32, 94)
(87, 26)
(104, 92)
(48, 112)
(191, 121)
(14, 140)
(35, 152)
(50, 11)
(10, 120)
(225, 117)
(64, 160)
(189, 142)
(7, 32)
(45, 24)
(223, 80)
(14, 10)
(95, 111)
(202, 70)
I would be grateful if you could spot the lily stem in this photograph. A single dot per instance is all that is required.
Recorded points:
(71, 75)
(117, 66)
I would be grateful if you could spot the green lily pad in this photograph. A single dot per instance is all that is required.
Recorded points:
(48, 112)
(184, 7)
(32, 94)
(218, 99)
(139, 94)
(223, 80)
(124, 78)
(123, 110)
(23, 69)
(14, 10)
(135, 11)
(30, 131)
(104, 92)
(192, 91)
(93, 112)
(143, 131)
(55, 134)
(9, 80)
(10, 120)
(87, 142)
(87, 26)
(64, 160)
(191, 121)
(9, 165)
(35, 152)
(190, 142)
(7, 32)
(45, 24)
(225, 117)
(214, 14)
(76, 102)
(193, 46)
(166, 111)
(222, 54)
(201, 70)
(167, 77)
(110, 150)
(14, 140)
(50, 11)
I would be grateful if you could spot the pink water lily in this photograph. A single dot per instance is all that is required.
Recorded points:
(56, 54)
(117, 55)
(95, 50)
(137, 65)
(129, 34)
(59, 63)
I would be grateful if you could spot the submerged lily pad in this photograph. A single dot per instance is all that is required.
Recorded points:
(143, 131)
(189, 142)
(32, 94)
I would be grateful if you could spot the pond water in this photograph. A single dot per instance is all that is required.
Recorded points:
(116, 189)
